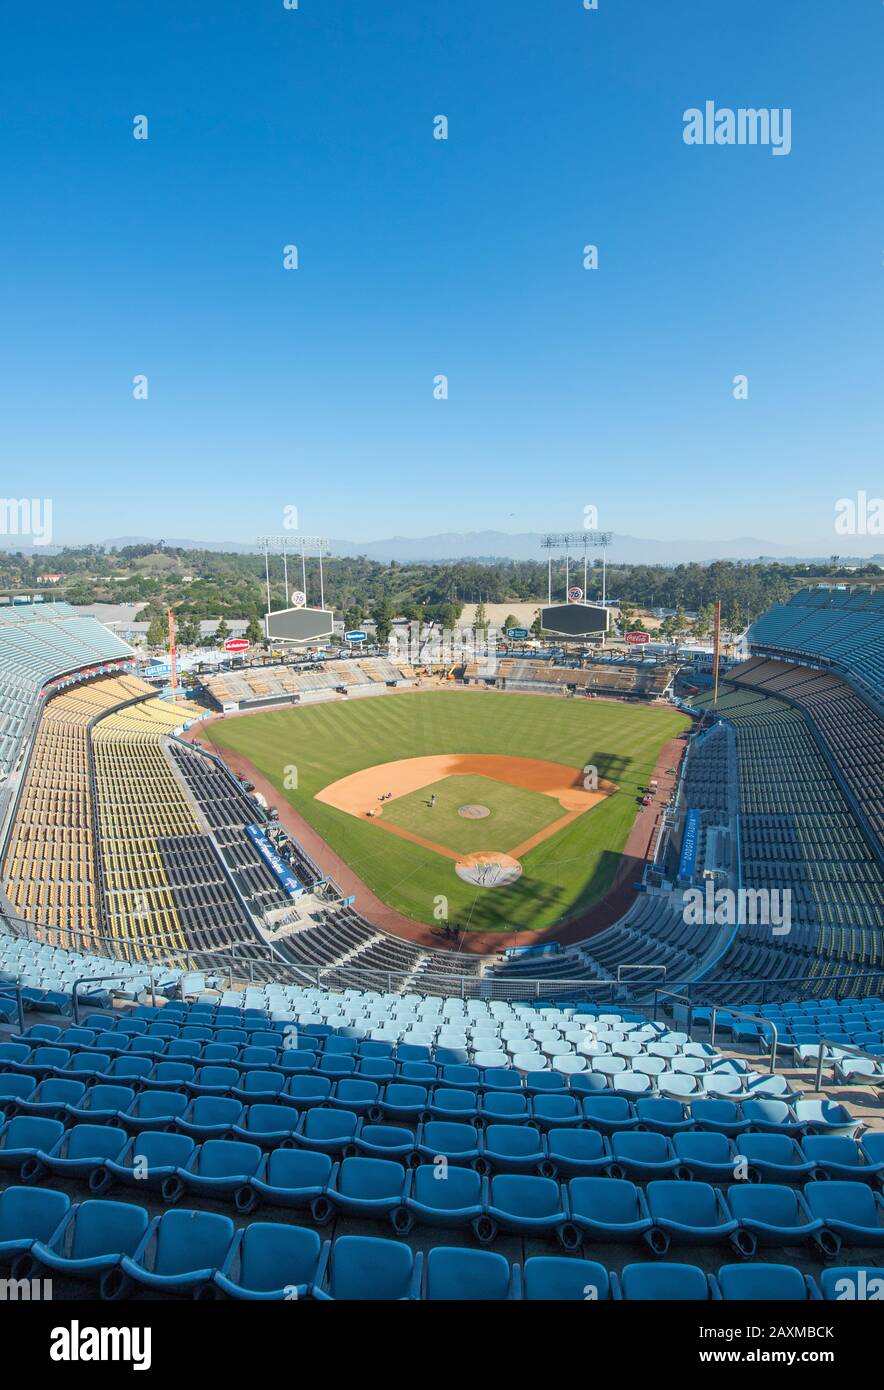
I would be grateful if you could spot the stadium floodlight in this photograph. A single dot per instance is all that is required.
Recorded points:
(309, 626)
(578, 540)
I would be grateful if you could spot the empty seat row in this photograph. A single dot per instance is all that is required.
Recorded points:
(450, 1195)
(201, 1254)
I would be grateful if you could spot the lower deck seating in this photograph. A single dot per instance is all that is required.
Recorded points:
(191, 1150)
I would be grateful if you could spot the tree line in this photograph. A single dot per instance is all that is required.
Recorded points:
(207, 584)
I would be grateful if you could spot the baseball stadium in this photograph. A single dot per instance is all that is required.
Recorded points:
(402, 900)
(291, 946)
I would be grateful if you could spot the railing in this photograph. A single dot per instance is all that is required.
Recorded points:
(254, 961)
(753, 1018)
(15, 990)
(103, 979)
(683, 998)
(620, 968)
(842, 1047)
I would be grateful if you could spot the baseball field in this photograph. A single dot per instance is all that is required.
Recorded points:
(497, 811)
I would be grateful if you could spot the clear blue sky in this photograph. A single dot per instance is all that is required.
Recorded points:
(314, 388)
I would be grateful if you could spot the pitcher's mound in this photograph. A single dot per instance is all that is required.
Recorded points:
(488, 869)
(473, 812)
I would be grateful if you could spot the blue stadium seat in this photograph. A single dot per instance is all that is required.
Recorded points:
(167, 1075)
(268, 1124)
(180, 1253)
(147, 1161)
(53, 1097)
(25, 1137)
(720, 1116)
(849, 1211)
(356, 1094)
(690, 1213)
(472, 1275)
(449, 1103)
(523, 1205)
(268, 1261)
(765, 1284)
(774, 1156)
(210, 1117)
(853, 1283)
(825, 1117)
(294, 1178)
(424, 1073)
(257, 1057)
(14, 1088)
(575, 1153)
(837, 1156)
(385, 1141)
(126, 1069)
(659, 1283)
(306, 1091)
(101, 1103)
(219, 1168)
(79, 1152)
(557, 1111)
(662, 1114)
(92, 1239)
(772, 1117)
(378, 1069)
(371, 1187)
(44, 1060)
(457, 1143)
(154, 1110)
(609, 1113)
(640, 1155)
(873, 1149)
(501, 1079)
(771, 1214)
(705, 1155)
(38, 1032)
(437, 1195)
(505, 1107)
(329, 1131)
(258, 1085)
(461, 1076)
(400, 1101)
(292, 1060)
(28, 1214)
(213, 1080)
(512, 1149)
(606, 1209)
(562, 1280)
(367, 1269)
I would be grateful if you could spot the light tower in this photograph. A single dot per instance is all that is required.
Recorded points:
(297, 622)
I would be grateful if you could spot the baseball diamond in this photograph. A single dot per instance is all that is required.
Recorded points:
(384, 783)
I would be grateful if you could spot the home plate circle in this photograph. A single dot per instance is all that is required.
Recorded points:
(488, 870)
(473, 812)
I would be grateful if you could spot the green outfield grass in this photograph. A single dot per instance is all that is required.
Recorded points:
(516, 813)
(563, 875)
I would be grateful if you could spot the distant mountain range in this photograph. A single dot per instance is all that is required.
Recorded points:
(498, 545)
